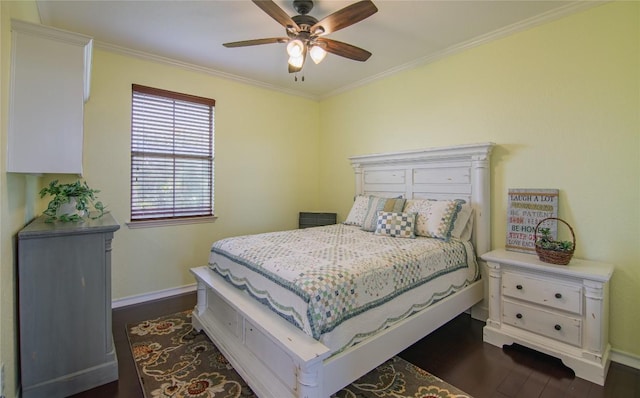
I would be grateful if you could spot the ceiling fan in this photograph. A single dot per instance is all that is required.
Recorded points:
(305, 33)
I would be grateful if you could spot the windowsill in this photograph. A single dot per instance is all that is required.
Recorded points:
(169, 222)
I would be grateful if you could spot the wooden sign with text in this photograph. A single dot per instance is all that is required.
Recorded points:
(526, 208)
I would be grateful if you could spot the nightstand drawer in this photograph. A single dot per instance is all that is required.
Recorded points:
(556, 326)
(543, 291)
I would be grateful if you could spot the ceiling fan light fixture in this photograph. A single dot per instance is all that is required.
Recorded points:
(296, 62)
(295, 48)
(317, 54)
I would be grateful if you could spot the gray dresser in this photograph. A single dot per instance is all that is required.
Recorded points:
(64, 288)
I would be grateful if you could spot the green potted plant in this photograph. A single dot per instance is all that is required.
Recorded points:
(546, 242)
(550, 250)
(71, 202)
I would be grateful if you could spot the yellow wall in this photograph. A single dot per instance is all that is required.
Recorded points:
(560, 100)
(562, 103)
(266, 166)
(18, 198)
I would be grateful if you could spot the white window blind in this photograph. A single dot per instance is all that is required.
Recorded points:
(171, 155)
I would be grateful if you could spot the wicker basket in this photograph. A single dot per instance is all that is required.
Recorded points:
(554, 256)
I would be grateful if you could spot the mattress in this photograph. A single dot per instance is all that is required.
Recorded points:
(340, 284)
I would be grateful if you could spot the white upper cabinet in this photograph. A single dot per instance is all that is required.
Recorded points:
(50, 76)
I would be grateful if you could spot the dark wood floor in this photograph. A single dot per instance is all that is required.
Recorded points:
(455, 353)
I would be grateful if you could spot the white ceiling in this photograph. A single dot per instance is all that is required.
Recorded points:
(401, 35)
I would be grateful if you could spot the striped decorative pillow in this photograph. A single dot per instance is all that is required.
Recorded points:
(377, 204)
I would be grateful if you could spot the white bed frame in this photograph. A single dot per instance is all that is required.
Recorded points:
(278, 360)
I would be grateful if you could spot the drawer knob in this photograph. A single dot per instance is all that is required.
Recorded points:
(558, 295)
(557, 327)
(519, 316)
(519, 287)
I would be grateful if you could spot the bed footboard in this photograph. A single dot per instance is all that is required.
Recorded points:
(273, 357)
(278, 360)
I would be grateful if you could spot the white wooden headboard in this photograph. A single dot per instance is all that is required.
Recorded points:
(455, 172)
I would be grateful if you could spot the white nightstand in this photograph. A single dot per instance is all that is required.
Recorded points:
(561, 310)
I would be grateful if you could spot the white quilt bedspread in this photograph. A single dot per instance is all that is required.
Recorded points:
(317, 278)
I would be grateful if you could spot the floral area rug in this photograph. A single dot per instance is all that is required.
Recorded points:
(174, 361)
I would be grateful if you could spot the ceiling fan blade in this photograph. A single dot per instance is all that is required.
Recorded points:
(344, 49)
(256, 42)
(344, 17)
(276, 13)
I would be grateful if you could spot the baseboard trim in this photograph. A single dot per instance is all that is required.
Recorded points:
(480, 311)
(160, 294)
(625, 358)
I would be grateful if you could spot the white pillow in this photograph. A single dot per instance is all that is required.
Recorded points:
(463, 224)
(435, 218)
(468, 230)
(358, 211)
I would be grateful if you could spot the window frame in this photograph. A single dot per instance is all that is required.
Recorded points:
(135, 154)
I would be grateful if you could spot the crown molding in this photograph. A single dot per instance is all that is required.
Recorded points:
(196, 68)
(569, 9)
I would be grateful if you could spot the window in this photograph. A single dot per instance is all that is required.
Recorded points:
(171, 155)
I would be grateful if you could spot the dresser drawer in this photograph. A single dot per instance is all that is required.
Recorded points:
(550, 324)
(543, 291)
